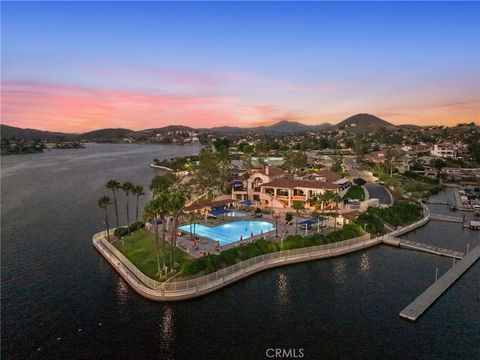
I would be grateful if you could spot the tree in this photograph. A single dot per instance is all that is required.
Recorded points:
(328, 197)
(224, 166)
(297, 205)
(103, 202)
(221, 143)
(161, 183)
(177, 203)
(207, 175)
(294, 161)
(247, 164)
(127, 187)
(192, 220)
(162, 203)
(114, 185)
(138, 191)
(336, 199)
(150, 213)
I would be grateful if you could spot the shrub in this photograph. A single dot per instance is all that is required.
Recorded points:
(120, 232)
(288, 217)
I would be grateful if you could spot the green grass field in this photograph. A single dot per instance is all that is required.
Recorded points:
(355, 192)
(141, 250)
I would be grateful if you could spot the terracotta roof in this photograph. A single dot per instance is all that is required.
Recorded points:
(329, 175)
(291, 184)
(193, 207)
(221, 202)
(272, 170)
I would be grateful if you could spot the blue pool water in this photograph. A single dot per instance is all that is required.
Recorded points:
(231, 232)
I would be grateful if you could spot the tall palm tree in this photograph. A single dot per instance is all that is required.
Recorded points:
(162, 202)
(150, 213)
(177, 203)
(336, 199)
(127, 187)
(114, 185)
(297, 205)
(192, 220)
(103, 202)
(138, 191)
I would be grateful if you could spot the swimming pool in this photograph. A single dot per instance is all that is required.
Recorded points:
(231, 232)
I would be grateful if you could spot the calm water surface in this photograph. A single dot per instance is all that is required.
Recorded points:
(55, 283)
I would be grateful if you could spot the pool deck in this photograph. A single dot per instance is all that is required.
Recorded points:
(209, 246)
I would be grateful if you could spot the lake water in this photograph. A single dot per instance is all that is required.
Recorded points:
(55, 283)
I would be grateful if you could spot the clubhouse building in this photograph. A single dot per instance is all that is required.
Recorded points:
(270, 186)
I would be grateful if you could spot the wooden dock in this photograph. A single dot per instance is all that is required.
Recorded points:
(413, 311)
(429, 249)
(446, 218)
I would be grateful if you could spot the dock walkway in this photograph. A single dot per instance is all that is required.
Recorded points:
(413, 311)
(408, 244)
(446, 218)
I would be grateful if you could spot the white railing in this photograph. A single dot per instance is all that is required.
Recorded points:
(404, 229)
(100, 237)
(191, 288)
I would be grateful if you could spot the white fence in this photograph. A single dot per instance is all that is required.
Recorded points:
(190, 288)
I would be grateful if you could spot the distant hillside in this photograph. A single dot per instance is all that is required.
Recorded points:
(105, 134)
(281, 127)
(143, 134)
(363, 122)
(19, 133)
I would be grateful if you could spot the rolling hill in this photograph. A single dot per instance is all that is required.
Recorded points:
(364, 121)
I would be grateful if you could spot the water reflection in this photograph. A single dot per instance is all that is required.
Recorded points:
(121, 291)
(338, 269)
(282, 296)
(364, 262)
(166, 324)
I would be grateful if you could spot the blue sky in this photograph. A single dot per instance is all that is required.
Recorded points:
(244, 62)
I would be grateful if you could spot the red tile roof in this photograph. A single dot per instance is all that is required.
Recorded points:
(291, 184)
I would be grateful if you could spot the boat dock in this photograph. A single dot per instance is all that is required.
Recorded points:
(413, 311)
(412, 245)
(439, 217)
(430, 249)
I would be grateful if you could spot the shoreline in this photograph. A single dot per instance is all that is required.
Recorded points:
(189, 289)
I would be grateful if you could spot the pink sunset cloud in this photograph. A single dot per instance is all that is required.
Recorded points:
(77, 109)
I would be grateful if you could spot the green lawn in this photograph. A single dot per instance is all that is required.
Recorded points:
(141, 250)
(355, 192)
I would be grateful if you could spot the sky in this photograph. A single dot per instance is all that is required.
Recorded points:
(80, 66)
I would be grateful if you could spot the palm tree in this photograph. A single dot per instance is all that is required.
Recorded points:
(114, 185)
(138, 191)
(192, 220)
(127, 187)
(162, 202)
(177, 204)
(328, 197)
(103, 202)
(150, 213)
(336, 199)
(297, 205)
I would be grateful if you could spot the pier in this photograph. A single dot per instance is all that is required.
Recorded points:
(412, 245)
(446, 218)
(413, 311)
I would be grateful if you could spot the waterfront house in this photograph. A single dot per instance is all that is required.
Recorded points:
(271, 187)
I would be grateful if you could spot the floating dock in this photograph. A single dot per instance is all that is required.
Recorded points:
(413, 311)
